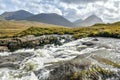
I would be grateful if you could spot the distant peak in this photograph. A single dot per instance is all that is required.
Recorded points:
(16, 15)
(94, 16)
(21, 10)
(49, 14)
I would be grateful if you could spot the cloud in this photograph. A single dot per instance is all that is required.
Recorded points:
(80, 1)
(108, 10)
(105, 9)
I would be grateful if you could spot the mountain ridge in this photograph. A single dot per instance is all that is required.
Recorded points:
(51, 18)
(16, 15)
(2, 18)
(89, 21)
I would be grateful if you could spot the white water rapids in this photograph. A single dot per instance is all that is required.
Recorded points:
(106, 47)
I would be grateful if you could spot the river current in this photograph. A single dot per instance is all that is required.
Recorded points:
(32, 63)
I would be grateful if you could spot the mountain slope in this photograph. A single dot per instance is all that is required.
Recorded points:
(50, 18)
(16, 15)
(91, 20)
(77, 21)
(2, 18)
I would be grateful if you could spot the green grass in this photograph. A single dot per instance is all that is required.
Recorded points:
(22, 28)
(102, 31)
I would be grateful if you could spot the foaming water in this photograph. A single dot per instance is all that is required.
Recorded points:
(41, 58)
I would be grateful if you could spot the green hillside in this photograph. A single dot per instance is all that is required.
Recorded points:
(22, 28)
(104, 30)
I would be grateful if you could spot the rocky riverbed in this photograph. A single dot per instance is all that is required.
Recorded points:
(82, 59)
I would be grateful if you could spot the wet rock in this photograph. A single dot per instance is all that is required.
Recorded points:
(105, 61)
(31, 41)
(95, 39)
(4, 42)
(14, 57)
(95, 73)
(89, 43)
(82, 56)
(76, 69)
(79, 48)
(13, 45)
(107, 46)
(13, 60)
(3, 49)
(63, 70)
(9, 65)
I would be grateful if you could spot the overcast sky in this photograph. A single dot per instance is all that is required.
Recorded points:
(108, 10)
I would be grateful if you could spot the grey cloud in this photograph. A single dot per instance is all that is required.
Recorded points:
(70, 9)
(117, 4)
(110, 18)
(70, 14)
(80, 1)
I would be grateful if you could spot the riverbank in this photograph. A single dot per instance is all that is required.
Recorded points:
(94, 31)
(30, 41)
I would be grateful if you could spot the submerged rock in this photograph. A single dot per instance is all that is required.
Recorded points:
(9, 65)
(79, 48)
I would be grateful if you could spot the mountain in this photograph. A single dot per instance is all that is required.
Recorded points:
(50, 18)
(77, 21)
(89, 21)
(16, 15)
(2, 18)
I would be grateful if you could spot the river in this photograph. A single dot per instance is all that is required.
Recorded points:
(56, 62)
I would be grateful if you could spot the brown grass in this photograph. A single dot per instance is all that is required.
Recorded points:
(10, 28)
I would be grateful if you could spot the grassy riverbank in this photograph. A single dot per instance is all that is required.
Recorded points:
(99, 30)
(22, 28)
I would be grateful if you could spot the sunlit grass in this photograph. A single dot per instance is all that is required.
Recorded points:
(22, 28)
(10, 28)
